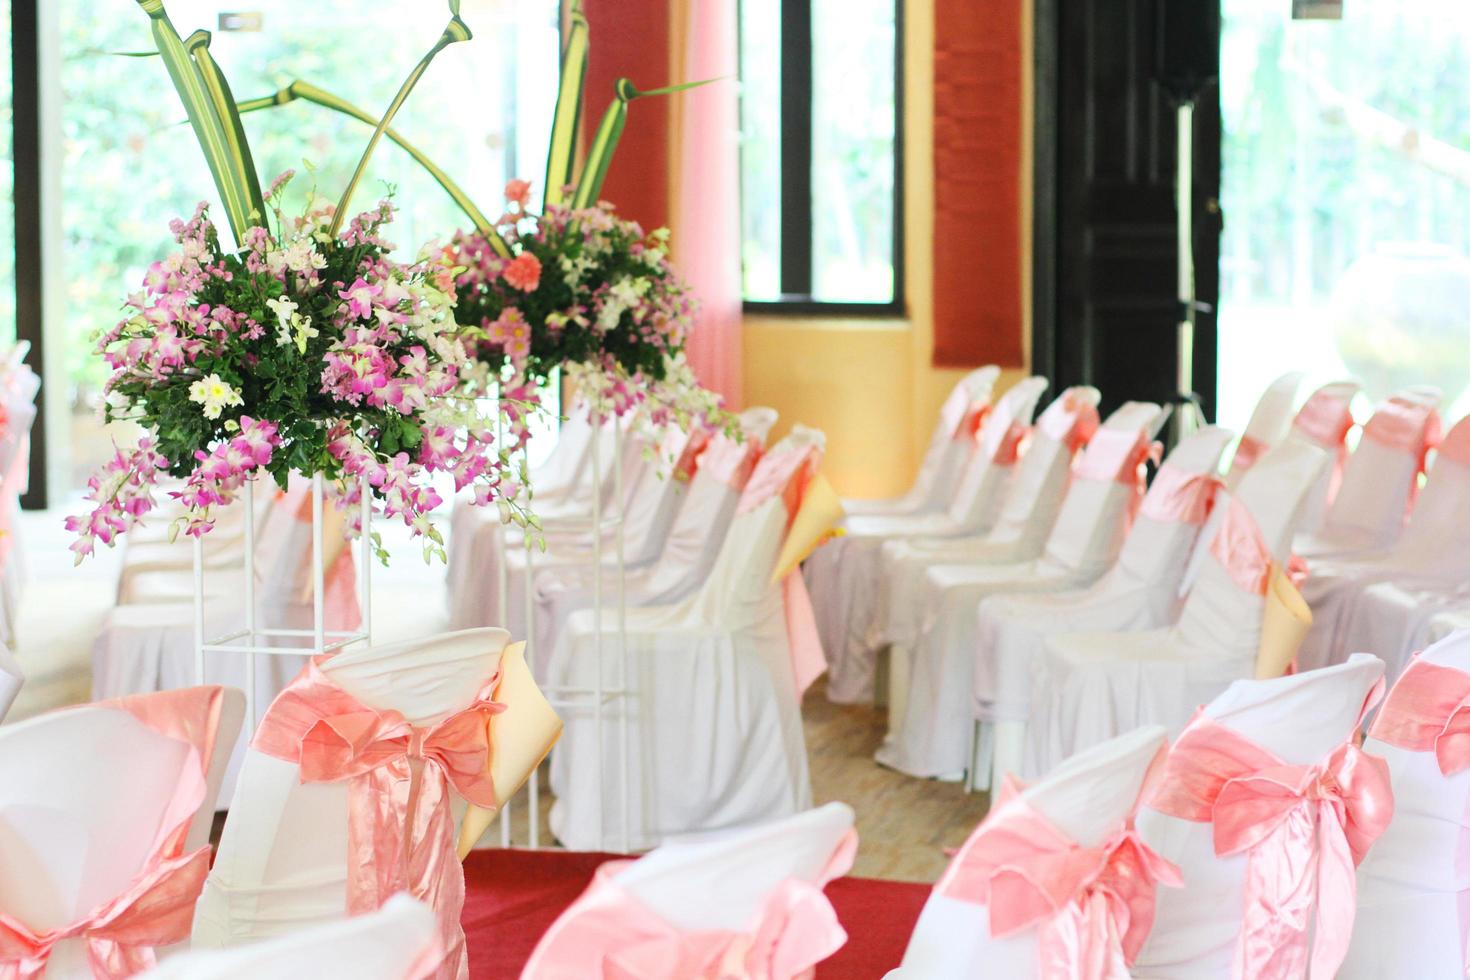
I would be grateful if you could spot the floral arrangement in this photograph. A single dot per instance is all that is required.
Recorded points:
(302, 351)
(581, 289)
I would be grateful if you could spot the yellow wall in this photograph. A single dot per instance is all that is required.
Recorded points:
(870, 384)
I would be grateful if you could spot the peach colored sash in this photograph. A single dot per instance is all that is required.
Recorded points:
(974, 418)
(1249, 450)
(400, 831)
(1303, 830)
(1074, 426)
(609, 933)
(1240, 548)
(1179, 496)
(688, 462)
(786, 473)
(157, 907)
(729, 461)
(1093, 907)
(1428, 710)
(1407, 427)
(1326, 419)
(1118, 456)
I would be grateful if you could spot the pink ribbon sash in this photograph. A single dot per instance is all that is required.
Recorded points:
(1241, 550)
(1093, 907)
(1119, 456)
(1303, 830)
(1428, 710)
(157, 907)
(1247, 453)
(974, 417)
(729, 461)
(1074, 424)
(786, 473)
(1326, 419)
(688, 462)
(1179, 496)
(609, 933)
(400, 831)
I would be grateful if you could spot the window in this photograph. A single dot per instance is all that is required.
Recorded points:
(820, 155)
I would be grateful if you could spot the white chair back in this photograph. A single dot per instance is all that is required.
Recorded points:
(1088, 797)
(1092, 522)
(1437, 534)
(1268, 423)
(1413, 917)
(1379, 479)
(1330, 408)
(985, 478)
(282, 861)
(945, 455)
(721, 880)
(1300, 719)
(12, 678)
(1035, 494)
(1218, 616)
(86, 793)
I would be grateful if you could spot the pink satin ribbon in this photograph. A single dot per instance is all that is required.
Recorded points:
(1428, 710)
(1008, 444)
(1178, 496)
(1092, 907)
(609, 933)
(729, 461)
(157, 907)
(400, 831)
(1074, 424)
(1325, 419)
(1118, 456)
(1456, 444)
(688, 462)
(1247, 453)
(786, 473)
(1407, 426)
(1303, 830)
(1241, 550)
(974, 417)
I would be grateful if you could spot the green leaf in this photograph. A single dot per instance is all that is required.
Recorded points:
(227, 168)
(456, 30)
(609, 131)
(561, 154)
(224, 105)
(307, 92)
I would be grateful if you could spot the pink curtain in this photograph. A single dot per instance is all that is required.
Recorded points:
(707, 223)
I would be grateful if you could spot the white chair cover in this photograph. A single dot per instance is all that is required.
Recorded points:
(1300, 719)
(689, 551)
(1030, 509)
(931, 488)
(1140, 591)
(714, 720)
(844, 576)
(1098, 684)
(11, 680)
(1379, 479)
(933, 734)
(392, 943)
(1089, 797)
(282, 863)
(1432, 556)
(1325, 420)
(1268, 424)
(1414, 886)
(89, 792)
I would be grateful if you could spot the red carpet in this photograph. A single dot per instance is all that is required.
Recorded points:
(513, 896)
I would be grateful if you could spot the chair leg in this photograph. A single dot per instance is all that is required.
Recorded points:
(1009, 741)
(898, 689)
(982, 747)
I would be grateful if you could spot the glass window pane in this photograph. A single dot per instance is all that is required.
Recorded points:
(852, 150)
(7, 192)
(760, 147)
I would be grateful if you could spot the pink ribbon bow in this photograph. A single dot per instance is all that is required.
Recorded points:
(688, 462)
(1178, 496)
(1119, 456)
(1093, 906)
(1241, 549)
(1074, 424)
(157, 907)
(400, 831)
(1428, 710)
(1326, 419)
(974, 417)
(609, 933)
(1303, 830)
(1247, 452)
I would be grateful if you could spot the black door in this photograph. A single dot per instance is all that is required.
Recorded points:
(1105, 283)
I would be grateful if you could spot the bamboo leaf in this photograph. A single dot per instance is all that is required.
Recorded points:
(456, 30)
(208, 127)
(224, 106)
(609, 131)
(561, 154)
(307, 92)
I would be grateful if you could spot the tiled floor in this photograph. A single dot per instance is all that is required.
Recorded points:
(904, 824)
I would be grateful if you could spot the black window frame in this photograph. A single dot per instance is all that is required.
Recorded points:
(796, 264)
